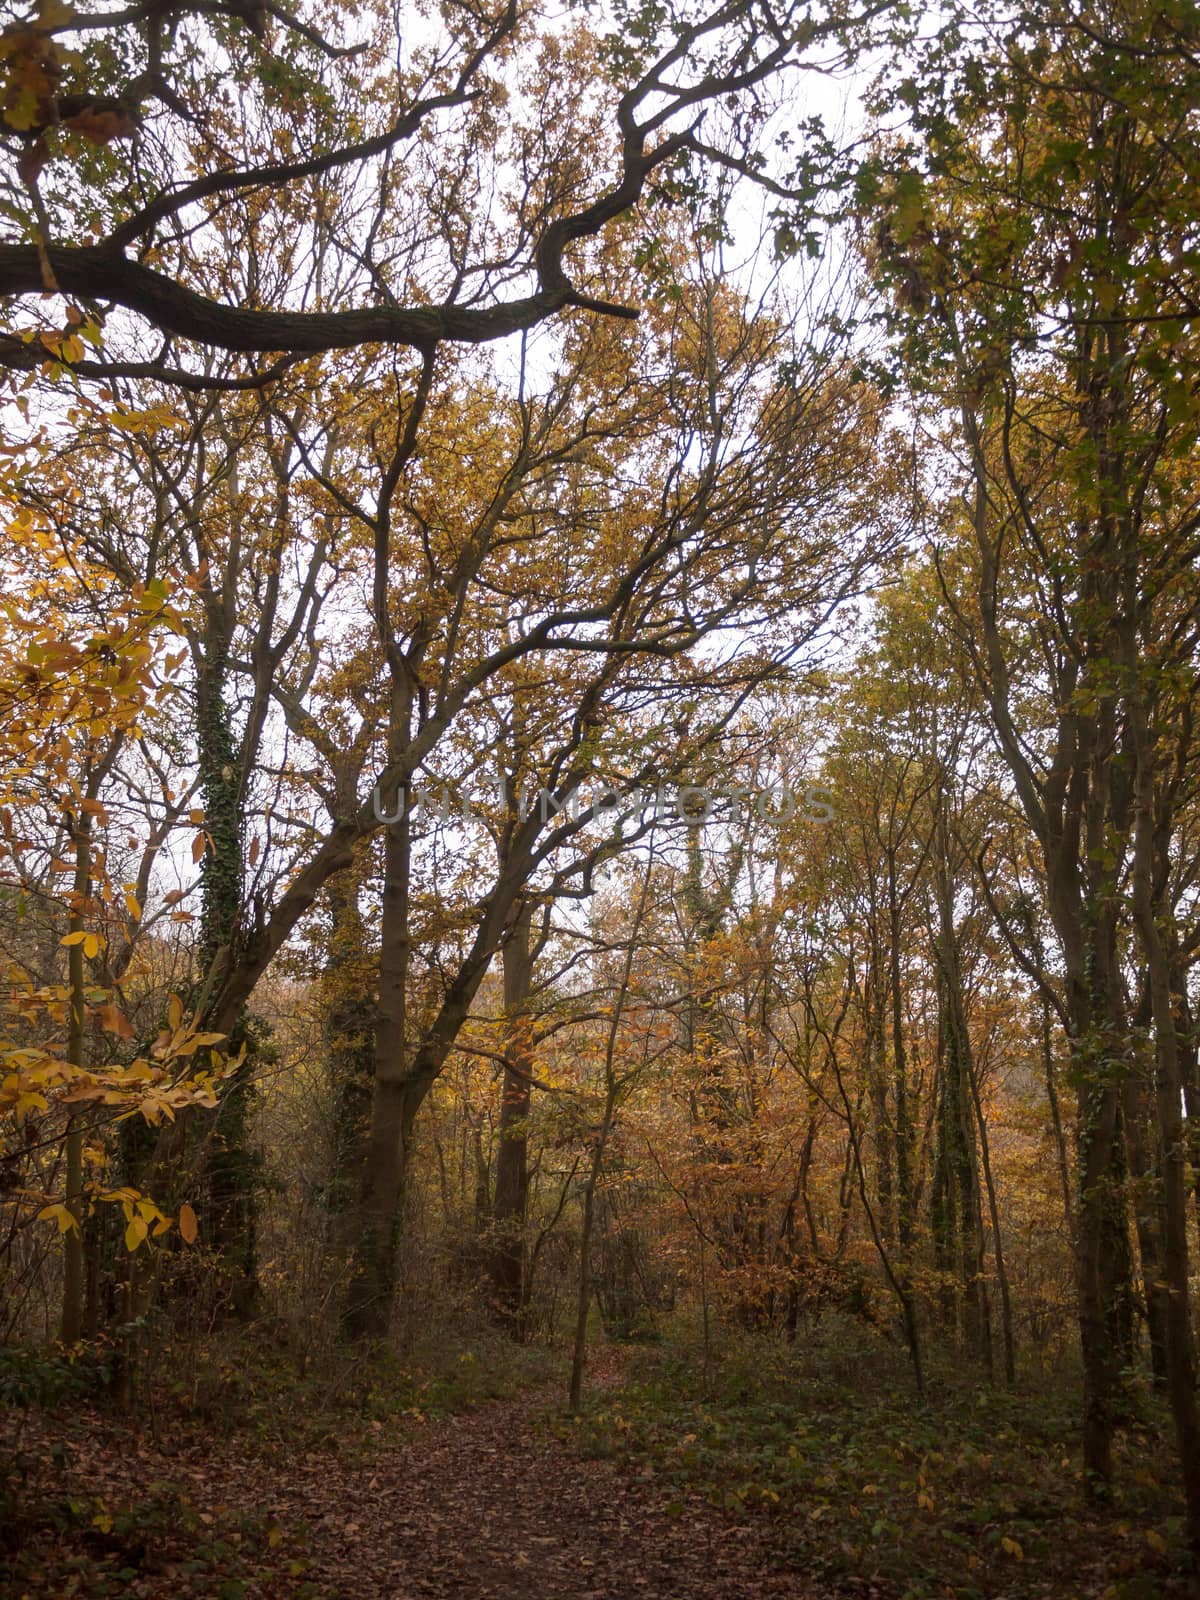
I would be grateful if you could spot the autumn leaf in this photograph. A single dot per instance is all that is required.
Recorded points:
(102, 126)
(113, 1020)
(65, 1219)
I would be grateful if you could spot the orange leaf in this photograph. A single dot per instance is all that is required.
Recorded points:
(101, 127)
(115, 1021)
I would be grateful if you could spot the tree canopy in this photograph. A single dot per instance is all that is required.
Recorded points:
(599, 637)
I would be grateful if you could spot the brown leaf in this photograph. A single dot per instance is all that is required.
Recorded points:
(101, 126)
(113, 1020)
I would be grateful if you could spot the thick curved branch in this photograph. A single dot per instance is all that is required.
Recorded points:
(100, 274)
(104, 272)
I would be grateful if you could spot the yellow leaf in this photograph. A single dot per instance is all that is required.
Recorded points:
(187, 1223)
(1156, 1541)
(198, 848)
(29, 1101)
(175, 1012)
(1012, 1548)
(135, 1233)
(60, 1214)
(73, 938)
(133, 908)
(91, 946)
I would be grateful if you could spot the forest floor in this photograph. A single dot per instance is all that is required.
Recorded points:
(810, 1473)
(488, 1504)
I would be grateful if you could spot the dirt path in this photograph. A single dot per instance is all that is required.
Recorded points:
(488, 1505)
(485, 1506)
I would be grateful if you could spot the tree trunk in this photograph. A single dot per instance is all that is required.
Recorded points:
(1144, 1173)
(885, 1193)
(395, 1100)
(1056, 1122)
(512, 1151)
(71, 1330)
(1006, 1319)
(1177, 1330)
(904, 1120)
(583, 1297)
(229, 1210)
(957, 1116)
(1099, 1346)
(349, 1028)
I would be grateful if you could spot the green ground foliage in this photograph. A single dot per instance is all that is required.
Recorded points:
(974, 1494)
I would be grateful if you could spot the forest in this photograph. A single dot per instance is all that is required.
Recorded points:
(599, 799)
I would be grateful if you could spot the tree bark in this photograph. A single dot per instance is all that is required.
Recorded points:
(396, 1097)
(583, 1294)
(1177, 1324)
(1140, 1143)
(71, 1330)
(511, 1198)
(349, 1025)
(957, 1119)
(229, 1212)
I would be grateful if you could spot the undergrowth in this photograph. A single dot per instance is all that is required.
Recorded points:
(974, 1493)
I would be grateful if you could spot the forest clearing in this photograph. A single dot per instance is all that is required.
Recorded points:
(600, 800)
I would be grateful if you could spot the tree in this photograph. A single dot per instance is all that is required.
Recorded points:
(685, 527)
(438, 267)
(1032, 237)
